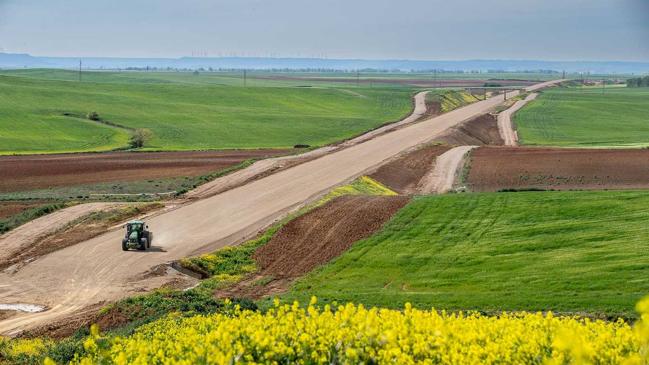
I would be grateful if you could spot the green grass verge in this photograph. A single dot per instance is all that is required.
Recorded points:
(41, 115)
(586, 117)
(559, 251)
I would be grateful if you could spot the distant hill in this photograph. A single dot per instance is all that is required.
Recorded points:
(8, 60)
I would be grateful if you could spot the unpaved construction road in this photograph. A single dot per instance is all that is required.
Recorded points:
(25, 235)
(97, 270)
(505, 124)
(447, 168)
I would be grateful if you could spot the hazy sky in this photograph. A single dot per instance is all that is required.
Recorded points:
(378, 29)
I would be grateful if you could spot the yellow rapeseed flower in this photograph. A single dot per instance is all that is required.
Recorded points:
(351, 334)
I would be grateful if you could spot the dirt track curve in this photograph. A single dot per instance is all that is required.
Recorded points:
(505, 124)
(97, 270)
(447, 168)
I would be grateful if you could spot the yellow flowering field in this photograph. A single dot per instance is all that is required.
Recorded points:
(351, 334)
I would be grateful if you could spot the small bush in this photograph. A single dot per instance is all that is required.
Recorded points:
(93, 116)
(140, 137)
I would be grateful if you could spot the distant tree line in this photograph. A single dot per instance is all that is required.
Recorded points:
(323, 70)
(638, 82)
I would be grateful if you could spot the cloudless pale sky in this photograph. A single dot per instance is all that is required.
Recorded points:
(375, 29)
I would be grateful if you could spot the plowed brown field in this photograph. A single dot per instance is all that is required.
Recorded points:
(324, 233)
(314, 239)
(497, 168)
(44, 171)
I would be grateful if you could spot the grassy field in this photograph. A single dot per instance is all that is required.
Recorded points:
(262, 78)
(559, 251)
(46, 111)
(586, 117)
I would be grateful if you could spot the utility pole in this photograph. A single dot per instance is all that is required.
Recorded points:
(358, 78)
(245, 76)
(603, 86)
(505, 94)
(79, 70)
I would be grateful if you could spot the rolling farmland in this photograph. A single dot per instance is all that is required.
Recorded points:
(586, 117)
(560, 251)
(46, 116)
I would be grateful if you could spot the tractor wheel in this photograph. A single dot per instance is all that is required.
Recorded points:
(124, 246)
(143, 244)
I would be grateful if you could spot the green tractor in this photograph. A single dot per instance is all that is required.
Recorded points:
(137, 236)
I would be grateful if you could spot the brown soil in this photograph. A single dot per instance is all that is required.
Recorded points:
(404, 173)
(77, 231)
(314, 239)
(9, 208)
(66, 327)
(433, 108)
(6, 314)
(43, 171)
(494, 169)
(480, 131)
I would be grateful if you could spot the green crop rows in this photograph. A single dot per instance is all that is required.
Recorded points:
(559, 251)
(586, 117)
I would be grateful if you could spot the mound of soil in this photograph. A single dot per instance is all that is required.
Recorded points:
(433, 108)
(314, 239)
(494, 169)
(404, 173)
(22, 173)
(479, 131)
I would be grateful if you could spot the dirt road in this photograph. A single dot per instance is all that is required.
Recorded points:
(269, 165)
(97, 270)
(28, 233)
(447, 168)
(505, 125)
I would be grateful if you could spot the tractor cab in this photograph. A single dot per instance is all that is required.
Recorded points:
(137, 236)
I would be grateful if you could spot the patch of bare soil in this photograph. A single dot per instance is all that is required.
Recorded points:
(43, 171)
(75, 232)
(9, 208)
(314, 239)
(480, 131)
(433, 108)
(68, 326)
(6, 314)
(494, 169)
(404, 173)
